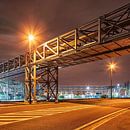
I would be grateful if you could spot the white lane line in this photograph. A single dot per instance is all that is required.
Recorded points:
(42, 111)
(50, 114)
(4, 123)
(92, 125)
(2, 115)
(4, 119)
(19, 105)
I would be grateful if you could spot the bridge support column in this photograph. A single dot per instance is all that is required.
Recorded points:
(30, 80)
(34, 77)
(49, 79)
(27, 71)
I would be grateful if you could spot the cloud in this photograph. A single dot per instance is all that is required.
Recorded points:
(55, 17)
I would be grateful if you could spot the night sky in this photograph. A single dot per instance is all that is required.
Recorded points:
(54, 17)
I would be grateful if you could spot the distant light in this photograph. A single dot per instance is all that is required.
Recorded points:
(112, 66)
(118, 85)
(88, 88)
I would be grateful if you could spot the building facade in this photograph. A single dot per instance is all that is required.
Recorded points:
(13, 90)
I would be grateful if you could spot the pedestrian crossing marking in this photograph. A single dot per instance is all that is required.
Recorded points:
(8, 118)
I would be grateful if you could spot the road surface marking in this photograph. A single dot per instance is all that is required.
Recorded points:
(19, 105)
(100, 121)
(7, 118)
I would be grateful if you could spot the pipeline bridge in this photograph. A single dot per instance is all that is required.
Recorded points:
(104, 37)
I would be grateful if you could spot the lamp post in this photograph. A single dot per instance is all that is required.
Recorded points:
(111, 67)
(31, 38)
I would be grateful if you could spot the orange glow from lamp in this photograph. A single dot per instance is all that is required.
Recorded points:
(112, 66)
(31, 37)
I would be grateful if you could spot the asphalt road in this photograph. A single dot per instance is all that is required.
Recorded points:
(73, 115)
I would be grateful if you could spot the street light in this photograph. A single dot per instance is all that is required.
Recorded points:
(111, 67)
(31, 39)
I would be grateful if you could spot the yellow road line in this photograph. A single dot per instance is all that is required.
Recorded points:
(100, 121)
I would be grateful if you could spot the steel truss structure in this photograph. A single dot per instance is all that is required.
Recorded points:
(48, 79)
(105, 37)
